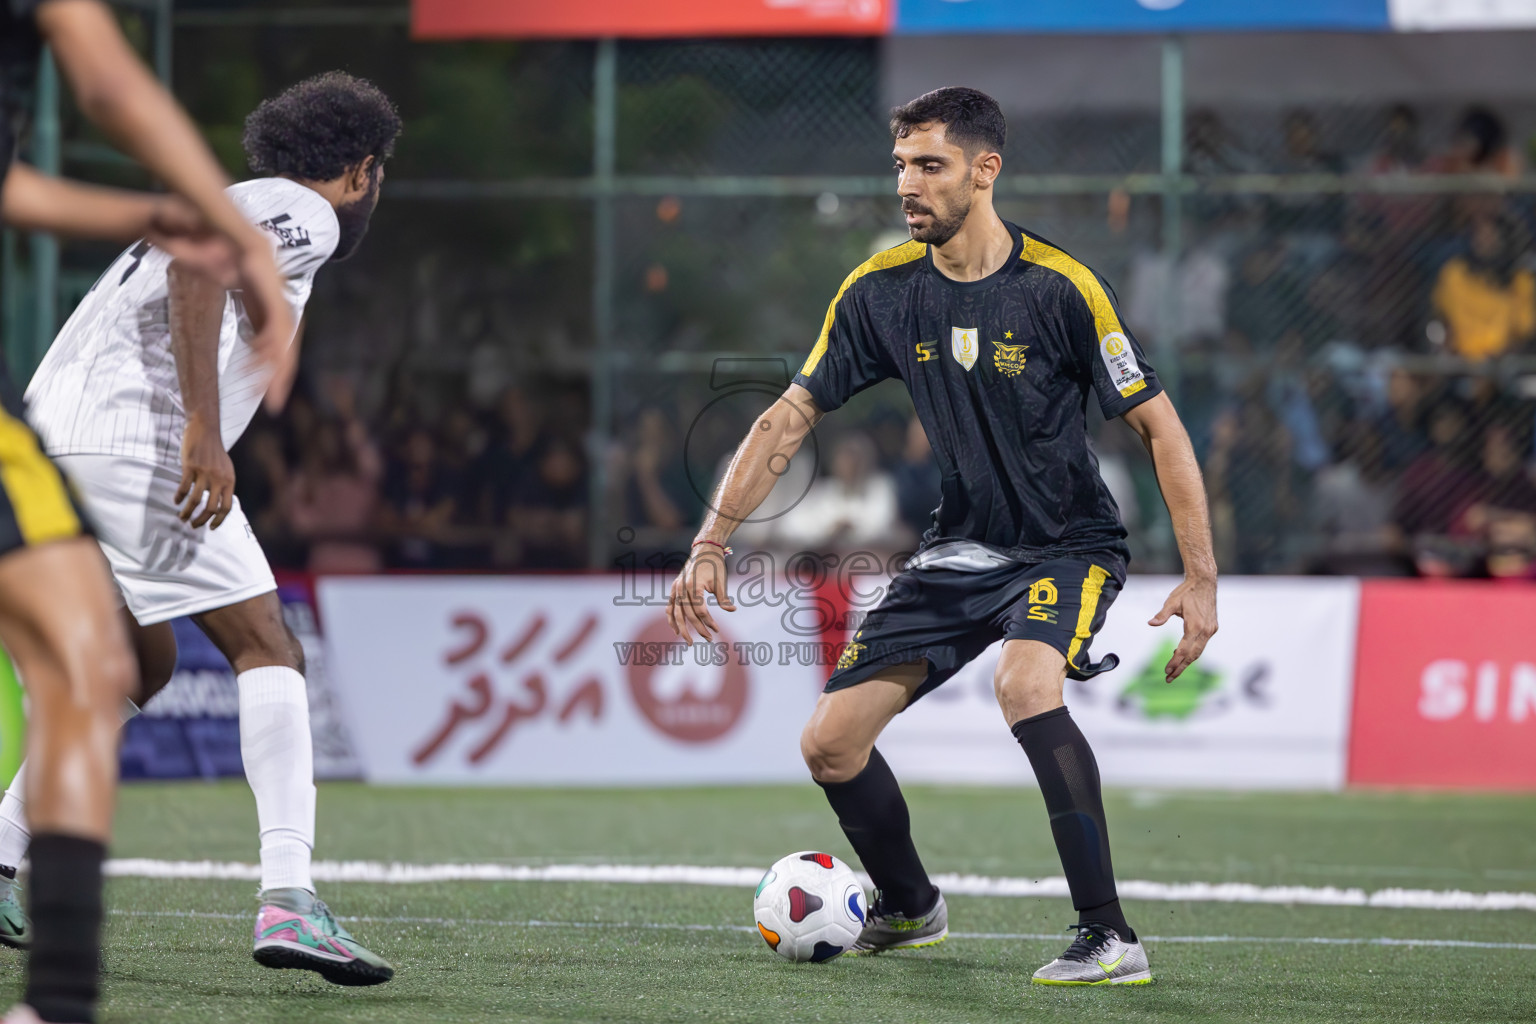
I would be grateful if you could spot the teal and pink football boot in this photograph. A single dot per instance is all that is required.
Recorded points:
(15, 929)
(296, 930)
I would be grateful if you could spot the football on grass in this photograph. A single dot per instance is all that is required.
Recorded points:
(810, 906)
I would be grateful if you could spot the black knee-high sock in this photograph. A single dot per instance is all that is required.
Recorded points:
(65, 892)
(874, 817)
(1069, 778)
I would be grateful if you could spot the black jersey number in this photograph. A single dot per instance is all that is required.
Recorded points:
(138, 253)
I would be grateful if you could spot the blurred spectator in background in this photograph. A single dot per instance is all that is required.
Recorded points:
(1290, 392)
(1503, 483)
(513, 454)
(1209, 149)
(1266, 294)
(1311, 220)
(1400, 426)
(1384, 235)
(1352, 503)
(331, 501)
(261, 476)
(547, 511)
(1304, 153)
(917, 480)
(1197, 283)
(654, 481)
(1485, 299)
(855, 506)
(1479, 146)
(464, 440)
(1249, 478)
(1114, 449)
(419, 502)
(1435, 490)
(1397, 149)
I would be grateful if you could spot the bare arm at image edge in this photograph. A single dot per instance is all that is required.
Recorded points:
(760, 460)
(1178, 477)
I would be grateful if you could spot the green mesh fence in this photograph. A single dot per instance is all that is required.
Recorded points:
(1345, 323)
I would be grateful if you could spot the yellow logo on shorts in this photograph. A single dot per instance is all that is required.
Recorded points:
(1041, 593)
(850, 655)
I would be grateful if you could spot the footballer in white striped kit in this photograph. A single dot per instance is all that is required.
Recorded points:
(144, 391)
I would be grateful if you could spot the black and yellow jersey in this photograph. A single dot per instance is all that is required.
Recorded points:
(1000, 371)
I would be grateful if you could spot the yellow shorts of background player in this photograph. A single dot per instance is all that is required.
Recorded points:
(36, 506)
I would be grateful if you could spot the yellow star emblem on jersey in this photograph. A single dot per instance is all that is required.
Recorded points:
(1009, 359)
(1008, 334)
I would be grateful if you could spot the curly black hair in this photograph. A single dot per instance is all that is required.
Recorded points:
(318, 128)
(972, 120)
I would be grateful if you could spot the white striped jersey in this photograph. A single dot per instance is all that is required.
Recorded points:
(108, 386)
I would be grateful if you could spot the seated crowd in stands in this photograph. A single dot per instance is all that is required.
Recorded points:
(1357, 372)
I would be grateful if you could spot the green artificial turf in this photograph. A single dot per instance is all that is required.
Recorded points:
(179, 951)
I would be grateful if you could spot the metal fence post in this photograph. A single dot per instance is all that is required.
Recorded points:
(1173, 211)
(164, 38)
(604, 114)
(46, 146)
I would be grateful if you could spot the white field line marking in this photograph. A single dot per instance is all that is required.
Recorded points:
(450, 922)
(962, 885)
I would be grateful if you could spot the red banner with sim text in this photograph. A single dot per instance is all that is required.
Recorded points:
(1445, 688)
(587, 19)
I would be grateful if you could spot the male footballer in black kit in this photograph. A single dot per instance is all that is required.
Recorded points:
(1000, 337)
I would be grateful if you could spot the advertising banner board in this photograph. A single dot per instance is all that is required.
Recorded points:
(1266, 707)
(191, 729)
(1140, 15)
(536, 680)
(1445, 693)
(588, 19)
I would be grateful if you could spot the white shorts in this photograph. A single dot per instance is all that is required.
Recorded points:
(164, 568)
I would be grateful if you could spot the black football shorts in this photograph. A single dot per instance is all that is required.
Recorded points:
(948, 617)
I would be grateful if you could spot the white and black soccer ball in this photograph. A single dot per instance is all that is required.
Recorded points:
(810, 906)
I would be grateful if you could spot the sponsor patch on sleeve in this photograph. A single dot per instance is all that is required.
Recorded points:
(1120, 361)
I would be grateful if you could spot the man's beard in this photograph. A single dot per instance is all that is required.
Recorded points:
(939, 229)
(352, 219)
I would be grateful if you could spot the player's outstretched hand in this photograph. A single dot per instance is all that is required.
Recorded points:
(206, 470)
(1194, 601)
(704, 573)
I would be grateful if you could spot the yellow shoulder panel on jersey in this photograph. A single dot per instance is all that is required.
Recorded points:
(1113, 345)
(1052, 258)
(904, 253)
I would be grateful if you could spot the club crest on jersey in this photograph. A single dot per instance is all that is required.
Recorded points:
(964, 346)
(1009, 359)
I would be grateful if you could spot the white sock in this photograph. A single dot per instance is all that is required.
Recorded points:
(15, 832)
(15, 835)
(279, 757)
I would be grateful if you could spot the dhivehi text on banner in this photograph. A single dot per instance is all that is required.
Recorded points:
(535, 680)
